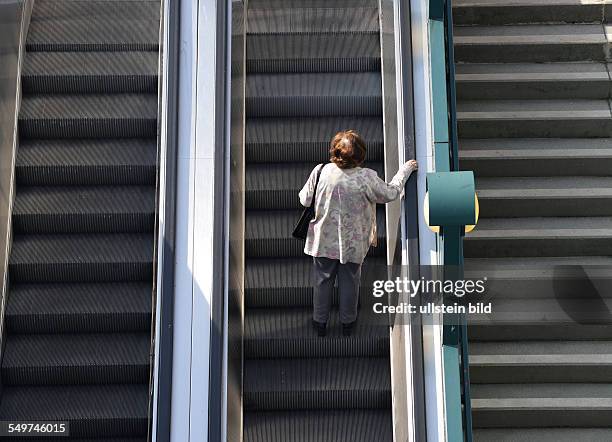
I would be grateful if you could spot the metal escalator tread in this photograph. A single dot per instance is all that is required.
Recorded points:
(79, 304)
(54, 359)
(79, 307)
(323, 52)
(318, 425)
(93, 35)
(329, 383)
(102, 410)
(86, 161)
(99, 9)
(81, 257)
(84, 209)
(306, 138)
(313, 94)
(101, 72)
(313, 69)
(94, 115)
(285, 20)
(283, 333)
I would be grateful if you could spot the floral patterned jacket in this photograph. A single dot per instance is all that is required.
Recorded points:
(344, 225)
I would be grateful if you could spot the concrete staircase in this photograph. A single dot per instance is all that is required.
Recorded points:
(534, 97)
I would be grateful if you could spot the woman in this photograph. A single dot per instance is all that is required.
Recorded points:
(344, 226)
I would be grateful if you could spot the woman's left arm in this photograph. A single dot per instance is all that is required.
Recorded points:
(307, 191)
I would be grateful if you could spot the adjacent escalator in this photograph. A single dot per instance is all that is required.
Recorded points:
(78, 313)
(313, 68)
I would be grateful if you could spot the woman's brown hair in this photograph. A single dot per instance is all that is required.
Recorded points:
(347, 149)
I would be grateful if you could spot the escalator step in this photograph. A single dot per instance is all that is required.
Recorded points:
(86, 162)
(46, 10)
(288, 333)
(74, 308)
(91, 410)
(303, 53)
(317, 95)
(48, 359)
(97, 34)
(268, 234)
(316, 19)
(320, 426)
(89, 72)
(84, 209)
(285, 139)
(81, 257)
(276, 185)
(291, 384)
(86, 116)
(284, 283)
(304, 4)
(87, 439)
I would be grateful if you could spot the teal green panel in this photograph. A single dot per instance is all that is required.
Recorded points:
(436, 9)
(438, 81)
(452, 392)
(451, 198)
(453, 246)
(442, 157)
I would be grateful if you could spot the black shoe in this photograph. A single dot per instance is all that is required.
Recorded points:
(320, 327)
(347, 329)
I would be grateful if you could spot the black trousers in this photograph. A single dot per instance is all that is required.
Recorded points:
(326, 271)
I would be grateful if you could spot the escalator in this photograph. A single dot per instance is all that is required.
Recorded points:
(533, 84)
(313, 68)
(78, 313)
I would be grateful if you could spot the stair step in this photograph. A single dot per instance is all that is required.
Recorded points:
(502, 12)
(319, 425)
(542, 434)
(85, 162)
(285, 139)
(540, 361)
(536, 156)
(314, 19)
(293, 384)
(288, 333)
(268, 234)
(89, 72)
(81, 257)
(88, 116)
(551, 236)
(532, 80)
(584, 317)
(93, 34)
(46, 10)
(48, 359)
(79, 308)
(304, 53)
(84, 209)
(545, 196)
(288, 282)
(276, 185)
(316, 95)
(530, 43)
(541, 405)
(117, 410)
(554, 278)
(534, 118)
